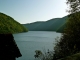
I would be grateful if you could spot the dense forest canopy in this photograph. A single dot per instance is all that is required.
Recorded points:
(9, 25)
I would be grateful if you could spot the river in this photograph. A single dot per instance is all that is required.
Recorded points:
(34, 40)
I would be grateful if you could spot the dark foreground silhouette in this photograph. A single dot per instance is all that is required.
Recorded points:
(8, 47)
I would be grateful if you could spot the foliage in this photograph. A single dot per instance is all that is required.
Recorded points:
(9, 25)
(70, 41)
(72, 57)
(44, 55)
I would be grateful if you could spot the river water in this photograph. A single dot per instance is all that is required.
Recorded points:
(34, 40)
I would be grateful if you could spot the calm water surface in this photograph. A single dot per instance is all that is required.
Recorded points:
(34, 40)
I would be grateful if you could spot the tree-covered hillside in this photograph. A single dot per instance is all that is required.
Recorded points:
(33, 26)
(9, 25)
(57, 24)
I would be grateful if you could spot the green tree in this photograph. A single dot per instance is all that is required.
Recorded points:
(69, 42)
(9, 25)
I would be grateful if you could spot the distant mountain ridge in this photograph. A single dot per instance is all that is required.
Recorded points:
(56, 24)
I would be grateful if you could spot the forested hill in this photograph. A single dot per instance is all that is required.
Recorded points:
(57, 24)
(9, 25)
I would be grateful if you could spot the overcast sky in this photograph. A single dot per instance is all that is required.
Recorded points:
(27, 11)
